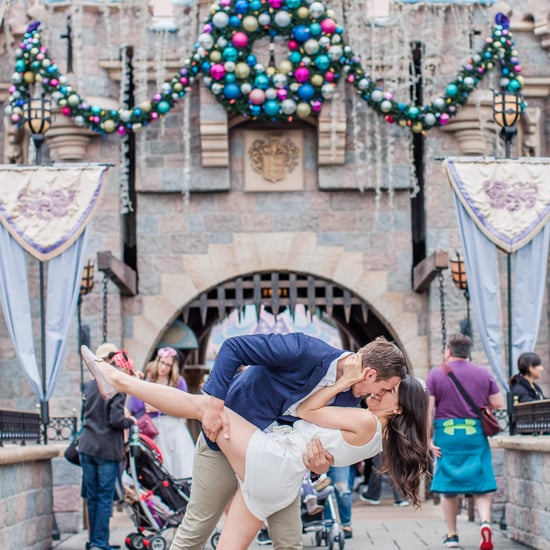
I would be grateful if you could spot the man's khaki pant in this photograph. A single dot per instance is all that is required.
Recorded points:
(213, 485)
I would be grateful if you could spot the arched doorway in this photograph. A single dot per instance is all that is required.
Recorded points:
(357, 324)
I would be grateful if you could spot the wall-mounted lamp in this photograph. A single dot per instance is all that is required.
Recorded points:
(37, 114)
(507, 108)
(458, 272)
(86, 286)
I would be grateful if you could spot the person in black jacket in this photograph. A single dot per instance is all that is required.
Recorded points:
(101, 446)
(523, 385)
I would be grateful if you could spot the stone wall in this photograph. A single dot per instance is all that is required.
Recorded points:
(526, 487)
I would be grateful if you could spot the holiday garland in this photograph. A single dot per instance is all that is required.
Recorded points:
(297, 87)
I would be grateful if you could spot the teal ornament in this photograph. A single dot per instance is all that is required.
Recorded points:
(451, 90)
(293, 4)
(514, 85)
(230, 54)
(413, 112)
(261, 81)
(322, 62)
(20, 65)
(315, 29)
(163, 107)
(271, 107)
(295, 57)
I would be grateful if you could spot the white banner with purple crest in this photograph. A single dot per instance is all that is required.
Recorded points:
(508, 199)
(505, 204)
(46, 208)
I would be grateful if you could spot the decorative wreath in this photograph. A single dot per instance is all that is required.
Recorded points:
(223, 57)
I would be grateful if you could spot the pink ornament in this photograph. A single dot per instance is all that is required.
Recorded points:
(225, 3)
(282, 94)
(121, 130)
(240, 40)
(351, 78)
(43, 49)
(54, 82)
(517, 69)
(184, 80)
(316, 106)
(256, 96)
(328, 26)
(275, 4)
(301, 74)
(329, 76)
(95, 119)
(15, 118)
(292, 45)
(11, 89)
(217, 71)
(65, 111)
(388, 96)
(154, 115)
(443, 119)
(389, 119)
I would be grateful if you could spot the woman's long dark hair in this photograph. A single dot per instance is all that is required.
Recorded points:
(406, 455)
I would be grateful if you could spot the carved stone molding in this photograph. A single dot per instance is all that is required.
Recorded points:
(331, 130)
(473, 126)
(66, 140)
(214, 131)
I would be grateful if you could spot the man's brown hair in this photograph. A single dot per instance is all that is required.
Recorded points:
(385, 358)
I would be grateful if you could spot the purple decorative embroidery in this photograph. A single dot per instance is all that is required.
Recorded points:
(511, 197)
(45, 205)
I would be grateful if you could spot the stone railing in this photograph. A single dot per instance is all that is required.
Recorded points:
(26, 492)
(525, 485)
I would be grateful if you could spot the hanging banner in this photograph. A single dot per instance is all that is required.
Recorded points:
(46, 208)
(508, 199)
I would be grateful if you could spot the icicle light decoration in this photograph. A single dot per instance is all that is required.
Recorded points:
(186, 165)
(107, 19)
(77, 19)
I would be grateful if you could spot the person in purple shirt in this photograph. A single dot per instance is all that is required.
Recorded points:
(464, 464)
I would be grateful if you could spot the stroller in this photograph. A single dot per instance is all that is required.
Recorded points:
(153, 499)
(325, 524)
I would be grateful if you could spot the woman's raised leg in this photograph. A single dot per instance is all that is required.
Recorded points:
(173, 402)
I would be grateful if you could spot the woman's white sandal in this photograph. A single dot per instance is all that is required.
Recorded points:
(106, 389)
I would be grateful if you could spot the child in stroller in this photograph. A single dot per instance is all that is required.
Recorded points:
(320, 513)
(153, 499)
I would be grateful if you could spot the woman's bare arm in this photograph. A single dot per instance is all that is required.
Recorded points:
(357, 425)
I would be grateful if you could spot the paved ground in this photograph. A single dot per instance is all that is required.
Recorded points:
(383, 527)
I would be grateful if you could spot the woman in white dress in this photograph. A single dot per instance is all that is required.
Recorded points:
(270, 466)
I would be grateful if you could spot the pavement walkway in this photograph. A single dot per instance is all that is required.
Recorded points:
(384, 527)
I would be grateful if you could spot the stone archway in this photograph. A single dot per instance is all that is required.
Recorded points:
(298, 252)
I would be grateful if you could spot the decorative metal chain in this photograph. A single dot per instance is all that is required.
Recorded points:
(442, 306)
(105, 279)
